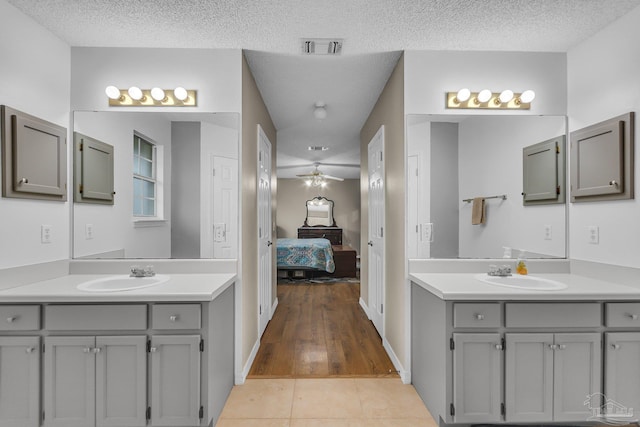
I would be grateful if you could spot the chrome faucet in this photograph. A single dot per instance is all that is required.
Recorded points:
(136, 271)
(502, 271)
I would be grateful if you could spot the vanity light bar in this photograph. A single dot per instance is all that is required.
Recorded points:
(156, 97)
(505, 100)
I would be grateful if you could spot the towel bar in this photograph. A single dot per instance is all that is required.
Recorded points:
(502, 196)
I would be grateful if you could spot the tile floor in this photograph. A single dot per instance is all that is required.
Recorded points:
(339, 402)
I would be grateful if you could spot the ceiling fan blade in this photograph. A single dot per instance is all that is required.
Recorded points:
(335, 178)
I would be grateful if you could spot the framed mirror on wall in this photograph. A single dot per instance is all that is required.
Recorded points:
(459, 158)
(175, 186)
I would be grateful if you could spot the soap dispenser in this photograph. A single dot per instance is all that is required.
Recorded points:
(521, 264)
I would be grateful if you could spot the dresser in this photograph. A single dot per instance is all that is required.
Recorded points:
(333, 234)
(344, 257)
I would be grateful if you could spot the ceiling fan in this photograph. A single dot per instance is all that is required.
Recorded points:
(316, 178)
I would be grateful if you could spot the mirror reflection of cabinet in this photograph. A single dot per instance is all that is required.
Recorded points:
(34, 157)
(93, 170)
(543, 172)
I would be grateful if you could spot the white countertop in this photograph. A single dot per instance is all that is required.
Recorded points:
(464, 287)
(179, 287)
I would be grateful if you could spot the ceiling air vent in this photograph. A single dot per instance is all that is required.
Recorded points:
(322, 46)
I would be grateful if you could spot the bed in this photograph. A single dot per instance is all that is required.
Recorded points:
(305, 254)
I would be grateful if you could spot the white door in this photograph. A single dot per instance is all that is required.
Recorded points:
(225, 207)
(264, 230)
(376, 230)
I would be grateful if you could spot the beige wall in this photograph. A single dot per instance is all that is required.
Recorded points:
(294, 193)
(254, 112)
(389, 111)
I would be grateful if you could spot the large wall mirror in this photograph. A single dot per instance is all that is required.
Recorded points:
(460, 158)
(175, 184)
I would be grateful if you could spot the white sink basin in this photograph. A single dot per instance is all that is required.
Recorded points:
(518, 281)
(121, 283)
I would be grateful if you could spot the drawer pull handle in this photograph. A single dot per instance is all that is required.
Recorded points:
(173, 317)
(632, 316)
(153, 349)
(553, 346)
(97, 350)
(30, 349)
(562, 346)
(615, 346)
(498, 346)
(479, 316)
(86, 350)
(12, 319)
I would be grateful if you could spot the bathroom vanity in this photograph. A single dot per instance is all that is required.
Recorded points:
(494, 354)
(160, 355)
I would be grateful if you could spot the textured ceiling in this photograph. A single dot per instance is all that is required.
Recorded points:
(271, 30)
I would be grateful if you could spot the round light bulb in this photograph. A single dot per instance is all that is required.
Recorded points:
(484, 95)
(527, 96)
(157, 94)
(180, 93)
(506, 96)
(463, 95)
(135, 93)
(112, 92)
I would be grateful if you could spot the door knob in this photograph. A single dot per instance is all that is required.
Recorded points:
(269, 243)
(370, 243)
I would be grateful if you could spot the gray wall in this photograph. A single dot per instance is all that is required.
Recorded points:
(444, 190)
(185, 187)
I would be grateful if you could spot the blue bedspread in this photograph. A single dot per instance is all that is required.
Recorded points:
(306, 253)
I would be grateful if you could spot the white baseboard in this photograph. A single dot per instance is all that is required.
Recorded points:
(247, 366)
(405, 376)
(365, 308)
(273, 308)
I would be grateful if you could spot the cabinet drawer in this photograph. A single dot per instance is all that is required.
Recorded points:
(175, 316)
(476, 315)
(553, 315)
(19, 317)
(95, 317)
(622, 314)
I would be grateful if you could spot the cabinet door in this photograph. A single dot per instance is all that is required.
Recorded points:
(69, 382)
(529, 377)
(477, 377)
(175, 380)
(622, 370)
(19, 381)
(121, 381)
(577, 375)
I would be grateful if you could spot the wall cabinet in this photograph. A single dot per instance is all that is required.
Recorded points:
(537, 363)
(19, 381)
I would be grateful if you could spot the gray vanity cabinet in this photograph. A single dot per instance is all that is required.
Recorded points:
(95, 381)
(622, 369)
(549, 376)
(19, 381)
(477, 377)
(175, 380)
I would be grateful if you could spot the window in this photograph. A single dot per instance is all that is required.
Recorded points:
(144, 177)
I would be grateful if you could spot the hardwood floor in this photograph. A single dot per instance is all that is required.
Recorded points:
(320, 330)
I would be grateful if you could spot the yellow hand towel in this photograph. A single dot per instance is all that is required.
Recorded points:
(477, 211)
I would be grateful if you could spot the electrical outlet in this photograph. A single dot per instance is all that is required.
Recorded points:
(594, 234)
(88, 231)
(547, 232)
(45, 233)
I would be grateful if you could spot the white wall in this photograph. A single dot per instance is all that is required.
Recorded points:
(603, 74)
(34, 78)
(113, 226)
(490, 163)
